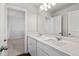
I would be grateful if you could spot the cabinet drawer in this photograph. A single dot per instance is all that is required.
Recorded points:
(50, 51)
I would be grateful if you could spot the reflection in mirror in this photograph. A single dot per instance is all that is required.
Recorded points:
(50, 25)
(73, 24)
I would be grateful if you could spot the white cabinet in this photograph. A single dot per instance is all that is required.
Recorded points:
(33, 49)
(40, 52)
(32, 46)
(36, 48)
(50, 50)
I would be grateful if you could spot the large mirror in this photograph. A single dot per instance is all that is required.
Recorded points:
(73, 24)
(64, 22)
(50, 25)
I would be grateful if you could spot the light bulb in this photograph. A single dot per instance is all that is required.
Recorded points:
(45, 9)
(41, 7)
(48, 6)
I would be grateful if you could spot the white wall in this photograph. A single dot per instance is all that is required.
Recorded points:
(32, 22)
(2, 34)
(42, 22)
(64, 12)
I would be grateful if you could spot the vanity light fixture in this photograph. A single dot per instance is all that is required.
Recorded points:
(46, 6)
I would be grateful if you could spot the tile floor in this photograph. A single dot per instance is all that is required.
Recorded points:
(15, 47)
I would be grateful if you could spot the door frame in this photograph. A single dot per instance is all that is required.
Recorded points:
(21, 9)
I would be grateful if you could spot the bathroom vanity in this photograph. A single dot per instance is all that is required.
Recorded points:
(49, 45)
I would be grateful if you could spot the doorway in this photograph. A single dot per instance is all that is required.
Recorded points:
(15, 31)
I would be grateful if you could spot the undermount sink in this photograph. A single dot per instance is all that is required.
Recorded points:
(59, 41)
(56, 42)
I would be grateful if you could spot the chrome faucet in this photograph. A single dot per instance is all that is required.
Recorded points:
(58, 38)
(40, 34)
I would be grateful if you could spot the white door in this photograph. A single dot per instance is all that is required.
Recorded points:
(73, 24)
(16, 31)
(16, 23)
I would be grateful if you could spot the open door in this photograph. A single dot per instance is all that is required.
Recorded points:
(15, 31)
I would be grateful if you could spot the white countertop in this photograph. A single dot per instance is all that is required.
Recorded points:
(72, 48)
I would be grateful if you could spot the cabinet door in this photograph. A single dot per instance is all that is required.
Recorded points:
(73, 24)
(50, 50)
(32, 46)
(40, 52)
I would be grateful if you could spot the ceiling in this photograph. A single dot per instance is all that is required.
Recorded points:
(34, 6)
(57, 7)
